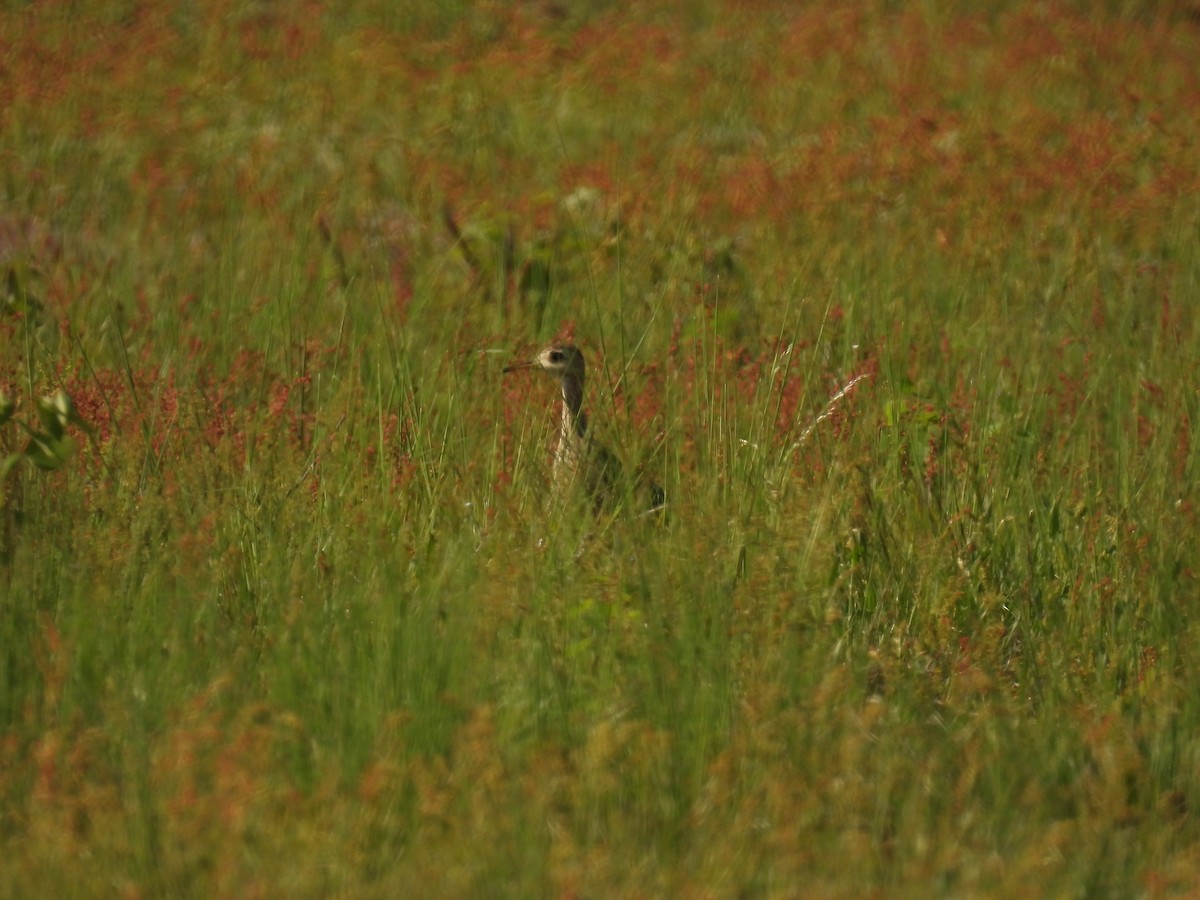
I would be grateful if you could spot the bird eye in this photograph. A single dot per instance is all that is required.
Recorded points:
(556, 356)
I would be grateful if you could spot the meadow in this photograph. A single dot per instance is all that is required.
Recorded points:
(285, 609)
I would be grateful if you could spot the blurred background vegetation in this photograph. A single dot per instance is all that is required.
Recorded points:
(293, 617)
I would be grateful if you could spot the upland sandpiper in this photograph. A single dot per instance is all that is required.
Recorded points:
(580, 463)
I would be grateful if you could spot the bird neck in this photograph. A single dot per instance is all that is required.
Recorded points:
(573, 419)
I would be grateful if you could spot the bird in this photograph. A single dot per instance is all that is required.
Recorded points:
(579, 460)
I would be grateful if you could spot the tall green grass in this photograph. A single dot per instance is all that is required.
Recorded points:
(300, 620)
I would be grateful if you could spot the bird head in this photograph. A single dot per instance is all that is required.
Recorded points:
(561, 360)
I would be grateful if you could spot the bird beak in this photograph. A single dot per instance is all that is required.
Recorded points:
(517, 367)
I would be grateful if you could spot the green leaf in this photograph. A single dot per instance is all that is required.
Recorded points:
(54, 424)
(49, 453)
(9, 463)
(57, 411)
(7, 407)
(891, 413)
(39, 451)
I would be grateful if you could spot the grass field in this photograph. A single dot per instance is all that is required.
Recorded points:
(295, 618)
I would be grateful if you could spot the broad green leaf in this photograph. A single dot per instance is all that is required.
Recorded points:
(49, 453)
